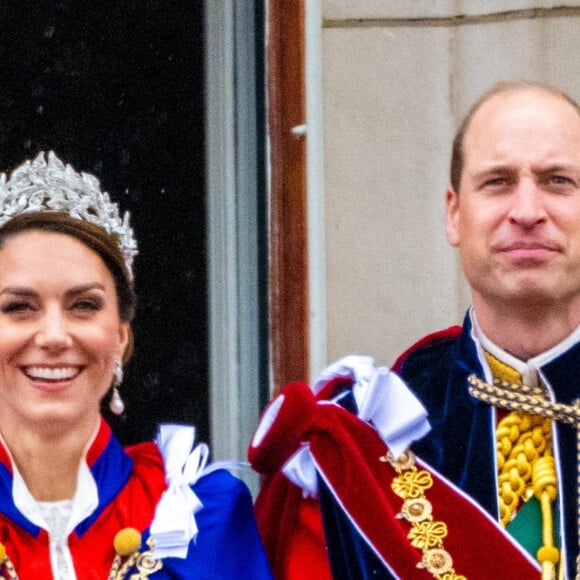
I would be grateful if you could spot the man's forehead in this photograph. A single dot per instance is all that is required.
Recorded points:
(531, 110)
(520, 101)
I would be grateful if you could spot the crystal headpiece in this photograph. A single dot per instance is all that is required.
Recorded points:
(41, 185)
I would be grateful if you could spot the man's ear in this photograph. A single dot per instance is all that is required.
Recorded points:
(452, 216)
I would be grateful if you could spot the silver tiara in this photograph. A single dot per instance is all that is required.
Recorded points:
(39, 185)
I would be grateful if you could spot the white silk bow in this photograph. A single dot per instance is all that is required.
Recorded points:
(382, 398)
(174, 524)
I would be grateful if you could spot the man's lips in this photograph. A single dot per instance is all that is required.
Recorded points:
(523, 249)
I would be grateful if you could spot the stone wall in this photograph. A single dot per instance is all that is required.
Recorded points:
(397, 76)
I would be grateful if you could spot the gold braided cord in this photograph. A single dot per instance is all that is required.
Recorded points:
(545, 489)
(522, 398)
(526, 465)
(522, 441)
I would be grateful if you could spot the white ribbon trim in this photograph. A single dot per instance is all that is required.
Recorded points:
(174, 525)
(383, 400)
(267, 420)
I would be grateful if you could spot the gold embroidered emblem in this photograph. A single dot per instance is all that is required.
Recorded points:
(143, 561)
(416, 510)
(428, 534)
(412, 484)
(146, 564)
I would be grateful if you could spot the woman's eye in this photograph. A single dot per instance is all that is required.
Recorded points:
(87, 305)
(16, 307)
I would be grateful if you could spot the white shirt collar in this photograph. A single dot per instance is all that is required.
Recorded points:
(84, 502)
(527, 369)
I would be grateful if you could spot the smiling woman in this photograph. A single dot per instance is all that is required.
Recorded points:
(72, 500)
(60, 335)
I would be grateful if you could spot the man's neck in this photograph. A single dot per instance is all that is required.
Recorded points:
(528, 333)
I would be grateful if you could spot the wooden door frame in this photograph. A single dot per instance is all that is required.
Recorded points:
(288, 280)
(236, 337)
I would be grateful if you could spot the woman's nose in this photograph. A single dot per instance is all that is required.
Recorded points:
(53, 331)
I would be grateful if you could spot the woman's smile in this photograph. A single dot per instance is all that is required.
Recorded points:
(60, 331)
(52, 374)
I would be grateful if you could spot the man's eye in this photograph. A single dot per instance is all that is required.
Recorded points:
(496, 182)
(560, 179)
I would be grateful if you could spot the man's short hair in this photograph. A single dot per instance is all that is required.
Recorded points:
(457, 155)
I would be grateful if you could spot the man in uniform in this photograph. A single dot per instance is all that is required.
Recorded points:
(493, 489)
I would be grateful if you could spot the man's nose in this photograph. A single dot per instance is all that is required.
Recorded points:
(527, 204)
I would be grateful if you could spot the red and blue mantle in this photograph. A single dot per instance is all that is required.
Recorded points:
(364, 537)
(130, 483)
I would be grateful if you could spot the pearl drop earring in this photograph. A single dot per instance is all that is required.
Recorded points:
(116, 403)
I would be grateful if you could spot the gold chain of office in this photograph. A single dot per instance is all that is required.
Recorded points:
(426, 532)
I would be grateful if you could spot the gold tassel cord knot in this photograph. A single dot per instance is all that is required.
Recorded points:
(545, 489)
(524, 400)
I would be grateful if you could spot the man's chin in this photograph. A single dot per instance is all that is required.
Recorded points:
(525, 292)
